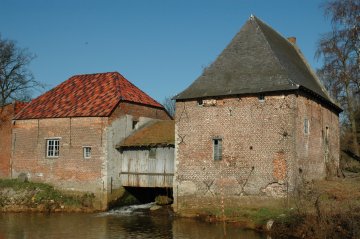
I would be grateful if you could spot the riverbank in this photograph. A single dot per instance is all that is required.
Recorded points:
(23, 196)
(323, 209)
(320, 209)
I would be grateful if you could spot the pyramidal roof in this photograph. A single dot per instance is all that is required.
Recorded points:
(86, 95)
(258, 59)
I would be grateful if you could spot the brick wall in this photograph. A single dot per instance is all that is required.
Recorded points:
(263, 147)
(258, 147)
(70, 171)
(6, 114)
(318, 149)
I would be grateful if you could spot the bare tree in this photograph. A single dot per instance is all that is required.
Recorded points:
(340, 52)
(169, 105)
(16, 80)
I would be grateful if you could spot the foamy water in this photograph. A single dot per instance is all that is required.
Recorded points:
(128, 210)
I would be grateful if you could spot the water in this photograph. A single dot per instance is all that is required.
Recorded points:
(126, 222)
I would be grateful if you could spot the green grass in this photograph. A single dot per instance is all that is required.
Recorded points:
(38, 193)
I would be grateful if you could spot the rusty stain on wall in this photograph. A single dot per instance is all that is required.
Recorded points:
(279, 164)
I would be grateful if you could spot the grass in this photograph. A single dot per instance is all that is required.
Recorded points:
(41, 193)
(325, 209)
(317, 209)
(259, 216)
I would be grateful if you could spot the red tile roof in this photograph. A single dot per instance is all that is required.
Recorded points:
(19, 105)
(86, 95)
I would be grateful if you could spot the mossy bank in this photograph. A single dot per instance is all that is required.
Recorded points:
(23, 196)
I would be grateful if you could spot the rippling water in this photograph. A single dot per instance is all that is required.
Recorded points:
(126, 222)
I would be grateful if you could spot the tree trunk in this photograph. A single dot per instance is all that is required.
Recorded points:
(352, 121)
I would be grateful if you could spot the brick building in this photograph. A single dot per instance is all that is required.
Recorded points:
(256, 122)
(7, 113)
(67, 136)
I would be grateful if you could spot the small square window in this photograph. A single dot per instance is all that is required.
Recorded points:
(306, 126)
(152, 153)
(217, 145)
(52, 148)
(134, 123)
(200, 102)
(87, 152)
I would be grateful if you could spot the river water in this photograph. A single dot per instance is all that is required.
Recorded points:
(125, 222)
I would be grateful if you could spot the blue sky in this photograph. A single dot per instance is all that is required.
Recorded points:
(159, 45)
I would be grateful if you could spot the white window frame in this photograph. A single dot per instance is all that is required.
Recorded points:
(86, 154)
(52, 147)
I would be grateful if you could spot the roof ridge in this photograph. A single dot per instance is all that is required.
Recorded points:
(97, 73)
(141, 90)
(308, 69)
(257, 20)
(91, 95)
(315, 75)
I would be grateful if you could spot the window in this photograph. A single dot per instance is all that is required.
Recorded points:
(87, 152)
(306, 126)
(261, 97)
(152, 153)
(134, 123)
(217, 144)
(200, 102)
(52, 148)
(327, 136)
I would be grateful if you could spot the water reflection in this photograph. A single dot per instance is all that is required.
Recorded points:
(115, 224)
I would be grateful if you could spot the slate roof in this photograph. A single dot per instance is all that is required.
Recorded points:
(258, 59)
(153, 134)
(86, 95)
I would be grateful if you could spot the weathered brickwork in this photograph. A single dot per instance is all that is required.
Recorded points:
(6, 114)
(261, 141)
(71, 171)
(317, 151)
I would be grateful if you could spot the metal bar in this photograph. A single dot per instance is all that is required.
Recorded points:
(154, 174)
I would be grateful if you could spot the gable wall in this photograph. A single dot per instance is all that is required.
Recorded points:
(6, 114)
(70, 171)
(258, 135)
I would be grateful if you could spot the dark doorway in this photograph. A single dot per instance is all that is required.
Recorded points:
(147, 195)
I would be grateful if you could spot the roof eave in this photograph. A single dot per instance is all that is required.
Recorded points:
(333, 105)
(237, 93)
(152, 145)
